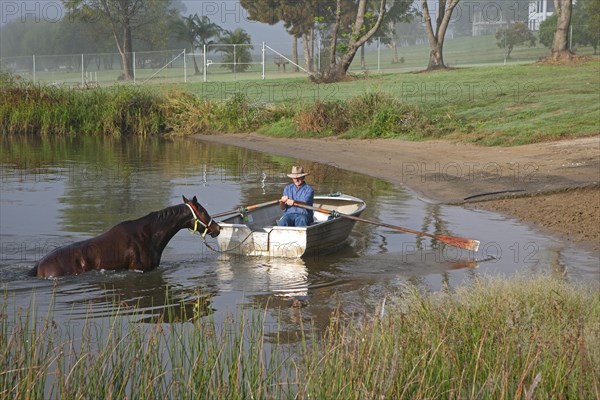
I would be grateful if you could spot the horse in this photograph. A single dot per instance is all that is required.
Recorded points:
(133, 245)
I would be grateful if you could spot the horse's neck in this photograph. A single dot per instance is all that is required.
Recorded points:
(166, 223)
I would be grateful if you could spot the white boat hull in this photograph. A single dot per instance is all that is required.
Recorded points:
(260, 236)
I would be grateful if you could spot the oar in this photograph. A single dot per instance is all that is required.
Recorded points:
(243, 210)
(460, 242)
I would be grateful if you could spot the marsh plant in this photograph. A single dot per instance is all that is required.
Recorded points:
(187, 114)
(497, 339)
(44, 110)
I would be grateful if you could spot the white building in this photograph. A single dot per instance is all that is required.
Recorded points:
(539, 11)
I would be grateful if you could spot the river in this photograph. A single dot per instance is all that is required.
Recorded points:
(58, 190)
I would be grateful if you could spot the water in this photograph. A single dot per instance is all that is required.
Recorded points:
(56, 191)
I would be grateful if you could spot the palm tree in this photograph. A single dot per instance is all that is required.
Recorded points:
(207, 30)
(197, 32)
(237, 50)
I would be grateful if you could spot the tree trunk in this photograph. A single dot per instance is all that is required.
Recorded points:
(196, 69)
(311, 48)
(560, 44)
(394, 47)
(338, 70)
(436, 38)
(295, 53)
(363, 65)
(127, 53)
(308, 62)
(126, 47)
(436, 56)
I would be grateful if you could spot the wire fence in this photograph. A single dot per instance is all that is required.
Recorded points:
(233, 62)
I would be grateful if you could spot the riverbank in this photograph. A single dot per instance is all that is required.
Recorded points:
(553, 185)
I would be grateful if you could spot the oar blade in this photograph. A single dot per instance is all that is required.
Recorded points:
(463, 243)
(456, 241)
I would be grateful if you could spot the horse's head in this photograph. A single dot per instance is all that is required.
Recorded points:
(201, 216)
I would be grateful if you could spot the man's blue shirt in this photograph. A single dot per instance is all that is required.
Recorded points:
(304, 193)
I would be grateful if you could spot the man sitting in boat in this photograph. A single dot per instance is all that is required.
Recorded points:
(297, 192)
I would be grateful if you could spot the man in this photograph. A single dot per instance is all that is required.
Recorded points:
(297, 192)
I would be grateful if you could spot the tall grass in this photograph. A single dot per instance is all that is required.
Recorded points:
(496, 339)
(186, 114)
(49, 110)
(516, 338)
(368, 115)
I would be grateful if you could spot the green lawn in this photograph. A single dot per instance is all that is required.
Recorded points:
(487, 104)
(506, 104)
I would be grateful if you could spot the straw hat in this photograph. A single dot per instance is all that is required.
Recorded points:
(297, 172)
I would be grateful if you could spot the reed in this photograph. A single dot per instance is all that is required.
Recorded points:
(494, 338)
(48, 110)
(187, 114)
(121, 357)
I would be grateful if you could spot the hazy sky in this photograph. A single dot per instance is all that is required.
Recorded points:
(230, 15)
(226, 13)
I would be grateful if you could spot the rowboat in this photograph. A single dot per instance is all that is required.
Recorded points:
(256, 233)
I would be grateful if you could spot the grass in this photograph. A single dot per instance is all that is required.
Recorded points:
(493, 339)
(491, 105)
(49, 110)
(523, 337)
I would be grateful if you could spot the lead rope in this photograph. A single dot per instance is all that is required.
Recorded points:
(203, 234)
(237, 246)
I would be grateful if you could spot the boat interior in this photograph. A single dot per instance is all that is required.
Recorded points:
(268, 216)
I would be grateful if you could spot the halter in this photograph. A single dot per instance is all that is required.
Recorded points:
(198, 220)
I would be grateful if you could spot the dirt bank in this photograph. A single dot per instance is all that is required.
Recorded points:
(554, 185)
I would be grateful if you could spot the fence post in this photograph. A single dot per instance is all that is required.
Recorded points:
(133, 60)
(319, 53)
(234, 63)
(82, 72)
(185, 66)
(204, 67)
(378, 54)
(34, 69)
(263, 61)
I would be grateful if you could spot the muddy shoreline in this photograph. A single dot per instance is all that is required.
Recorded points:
(554, 186)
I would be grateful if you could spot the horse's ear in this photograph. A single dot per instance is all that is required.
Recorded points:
(184, 199)
(195, 200)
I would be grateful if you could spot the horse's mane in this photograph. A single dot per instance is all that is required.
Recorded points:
(165, 214)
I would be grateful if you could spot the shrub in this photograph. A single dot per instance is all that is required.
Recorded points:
(330, 117)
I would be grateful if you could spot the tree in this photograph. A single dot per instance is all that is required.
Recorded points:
(584, 29)
(300, 19)
(436, 35)
(206, 31)
(123, 17)
(344, 26)
(400, 12)
(515, 35)
(547, 28)
(197, 32)
(364, 27)
(185, 29)
(237, 52)
(586, 23)
(560, 43)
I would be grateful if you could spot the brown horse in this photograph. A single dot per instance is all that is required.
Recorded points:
(133, 245)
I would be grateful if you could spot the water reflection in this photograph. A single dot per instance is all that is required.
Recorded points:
(59, 190)
(280, 277)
